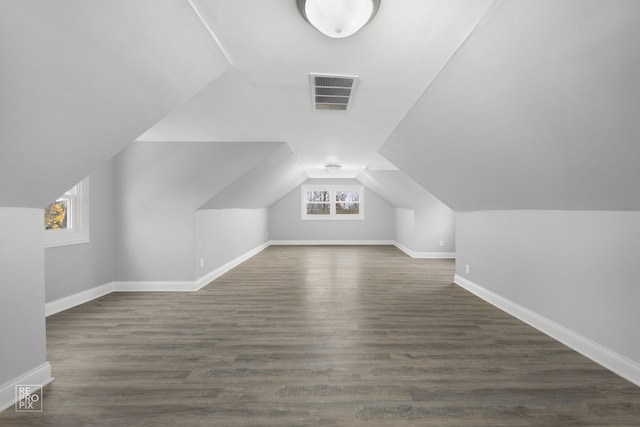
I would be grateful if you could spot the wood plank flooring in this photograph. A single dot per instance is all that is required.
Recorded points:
(319, 336)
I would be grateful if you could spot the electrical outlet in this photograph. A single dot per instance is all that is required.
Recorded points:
(467, 269)
(441, 242)
(201, 262)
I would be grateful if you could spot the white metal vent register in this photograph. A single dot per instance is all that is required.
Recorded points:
(331, 92)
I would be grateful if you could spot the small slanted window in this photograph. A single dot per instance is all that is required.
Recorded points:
(334, 202)
(66, 220)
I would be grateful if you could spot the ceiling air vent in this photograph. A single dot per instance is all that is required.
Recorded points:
(332, 93)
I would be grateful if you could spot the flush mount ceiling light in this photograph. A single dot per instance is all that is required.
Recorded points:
(333, 168)
(338, 18)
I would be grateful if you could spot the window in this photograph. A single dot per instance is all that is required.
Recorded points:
(332, 202)
(317, 202)
(66, 220)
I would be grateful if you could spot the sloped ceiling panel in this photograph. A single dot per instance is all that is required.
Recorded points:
(538, 110)
(81, 80)
(264, 184)
(399, 189)
(368, 181)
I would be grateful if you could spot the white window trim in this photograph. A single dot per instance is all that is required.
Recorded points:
(79, 216)
(332, 197)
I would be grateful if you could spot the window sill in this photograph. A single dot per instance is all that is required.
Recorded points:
(334, 218)
(57, 238)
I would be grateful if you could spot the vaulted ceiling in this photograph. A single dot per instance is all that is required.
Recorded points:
(529, 104)
(265, 96)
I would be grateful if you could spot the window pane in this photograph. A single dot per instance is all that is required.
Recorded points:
(317, 196)
(348, 202)
(55, 215)
(347, 208)
(318, 208)
(347, 196)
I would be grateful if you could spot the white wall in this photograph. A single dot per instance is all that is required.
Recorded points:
(75, 268)
(22, 316)
(225, 234)
(422, 221)
(405, 227)
(422, 229)
(576, 268)
(285, 221)
(159, 186)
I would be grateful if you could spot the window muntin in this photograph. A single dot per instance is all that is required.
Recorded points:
(66, 220)
(333, 202)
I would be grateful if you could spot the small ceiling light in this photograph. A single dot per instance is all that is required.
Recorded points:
(333, 168)
(338, 18)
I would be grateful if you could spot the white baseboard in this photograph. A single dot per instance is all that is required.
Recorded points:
(70, 301)
(209, 277)
(82, 297)
(612, 361)
(403, 248)
(39, 376)
(329, 242)
(424, 255)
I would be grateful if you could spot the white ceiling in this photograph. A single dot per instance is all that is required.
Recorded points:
(265, 94)
(528, 104)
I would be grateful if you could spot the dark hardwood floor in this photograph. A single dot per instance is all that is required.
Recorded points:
(319, 336)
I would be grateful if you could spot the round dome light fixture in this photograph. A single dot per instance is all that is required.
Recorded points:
(333, 168)
(338, 18)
